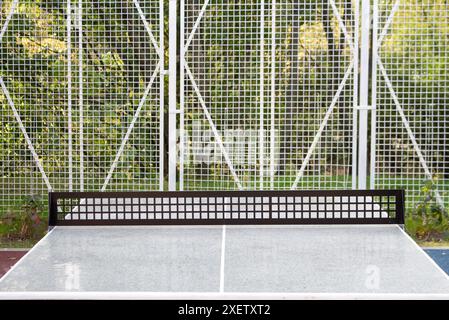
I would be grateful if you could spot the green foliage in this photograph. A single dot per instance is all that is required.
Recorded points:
(429, 220)
(24, 222)
(119, 59)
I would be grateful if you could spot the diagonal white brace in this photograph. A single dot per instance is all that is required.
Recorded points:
(147, 27)
(388, 23)
(407, 126)
(343, 27)
(322, 126)
(25, 134)
(195, 26)
(262, 96)
(212, 125)
(8, 18)
(131, 127)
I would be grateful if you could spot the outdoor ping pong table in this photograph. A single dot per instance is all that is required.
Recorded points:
(226, 245)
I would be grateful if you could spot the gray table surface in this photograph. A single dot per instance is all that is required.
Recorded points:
(358, 259)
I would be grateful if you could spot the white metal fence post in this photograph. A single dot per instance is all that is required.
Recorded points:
(364, 89)
(81, 89)
(172, 94)
(69, 93)
(262, 93)
(372, 174)
(356, 95)
(162, 94)
(182, 138)
(273, 94)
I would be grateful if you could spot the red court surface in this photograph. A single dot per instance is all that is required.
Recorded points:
(8, 259)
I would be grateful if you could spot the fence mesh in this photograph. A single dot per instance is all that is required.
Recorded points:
(267, 95)
(81, 97)
(259, 79)
(413, 97)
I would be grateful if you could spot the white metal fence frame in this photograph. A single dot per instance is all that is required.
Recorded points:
(379, 72)
(367, 29)
(14, 109)
(185, 42)
(73, 9)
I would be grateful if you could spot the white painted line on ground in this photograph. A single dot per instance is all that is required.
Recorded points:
(222, 261)
(25, 255)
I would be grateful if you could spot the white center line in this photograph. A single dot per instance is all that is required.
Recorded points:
(222, 263)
